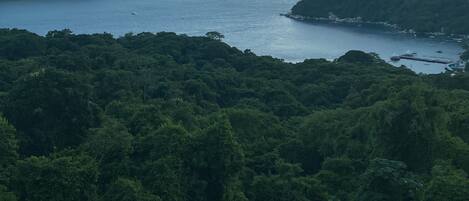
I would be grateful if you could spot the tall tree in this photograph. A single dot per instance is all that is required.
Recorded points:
(447, 183)
(217, 160)
(8, 145)
(288, 185)
(57, 178)
(387, 180)
(111, 146)
(128, 190)
(6, 195)
(162, 167)
(51, 110)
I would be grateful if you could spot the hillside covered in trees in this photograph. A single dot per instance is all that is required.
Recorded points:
(166, 117)
(419, 15)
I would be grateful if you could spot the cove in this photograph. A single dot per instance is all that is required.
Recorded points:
(246, 24)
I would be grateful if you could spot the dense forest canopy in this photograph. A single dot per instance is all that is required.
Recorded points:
(168, 117)
(449, 16)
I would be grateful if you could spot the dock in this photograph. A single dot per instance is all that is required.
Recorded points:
(414, 57)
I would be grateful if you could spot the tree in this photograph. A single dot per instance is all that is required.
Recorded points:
(139, 118)
(162, 167)
(18, 44)
(447, 183)
(257, 132)
(215, 35)
(295, 151)
(6, 195)
(168, 140)
(339, 177)
(111, 85)
(51, 110)
(59, 34)
(216, 159)
(287, 186)
(111, 145)
(465, 55)
(386, 180)
(419, 15)
(70, 177)
(8, 145)
(216, 124)
(128, 190)
(408, 127)
(355, 56)
(8, 157)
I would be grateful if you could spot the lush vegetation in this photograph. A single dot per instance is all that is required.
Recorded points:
(465, 55)
(419, 15)
(153, 117)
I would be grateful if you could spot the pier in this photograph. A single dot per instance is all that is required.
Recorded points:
(414, 57)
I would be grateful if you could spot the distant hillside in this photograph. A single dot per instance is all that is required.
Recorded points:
(420, 15)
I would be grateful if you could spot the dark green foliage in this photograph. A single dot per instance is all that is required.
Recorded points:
(8, 145)
(447, 183)
(287, 186)
(340, 177)
(409, 126)
(214, 35)
(51, 109)
(110, 145)
(355, 56)
(128, 190)
(176, 118)
(217, 160)
(163, 157)
(19, 44)
(57, 178)
(465, 55)
(386, 180)
(419, 15)
(6, 195)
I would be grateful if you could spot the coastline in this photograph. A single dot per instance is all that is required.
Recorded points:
(459, 38)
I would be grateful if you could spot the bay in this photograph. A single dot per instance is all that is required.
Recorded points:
(246, 24)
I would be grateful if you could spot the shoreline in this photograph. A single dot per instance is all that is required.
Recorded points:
(459, 38)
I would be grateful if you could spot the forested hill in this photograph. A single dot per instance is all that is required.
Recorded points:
(449, 16)
(166, 117)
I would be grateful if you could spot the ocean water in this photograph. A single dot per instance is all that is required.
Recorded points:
(246, 24)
